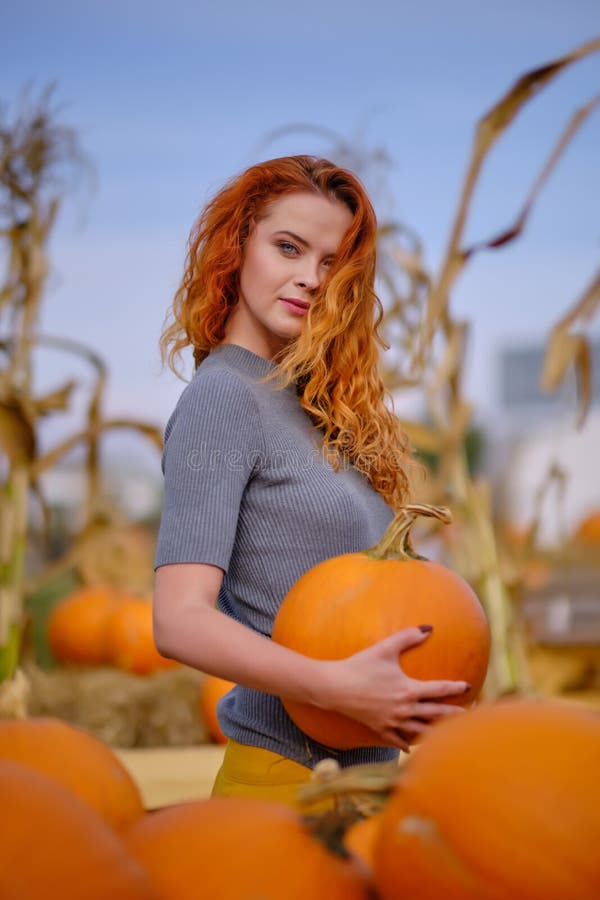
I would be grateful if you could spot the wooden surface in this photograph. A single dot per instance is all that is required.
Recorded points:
(172, 774)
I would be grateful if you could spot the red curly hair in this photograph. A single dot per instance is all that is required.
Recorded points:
(335, 359)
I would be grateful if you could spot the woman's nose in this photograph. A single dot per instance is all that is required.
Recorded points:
(308, 278)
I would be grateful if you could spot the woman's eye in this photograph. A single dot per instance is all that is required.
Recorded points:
(287, 248)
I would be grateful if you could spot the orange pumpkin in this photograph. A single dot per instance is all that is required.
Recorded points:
(349, 602)
(588, 530)
(53, 845)
(537, 574)
(211, 691)
(77, 625)
(232, 847)
(501, 802)
(76, 760)
(360, 838)
(131, 640)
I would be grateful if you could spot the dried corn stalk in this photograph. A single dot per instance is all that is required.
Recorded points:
(566, 348)
(508, 670)
(36, 155)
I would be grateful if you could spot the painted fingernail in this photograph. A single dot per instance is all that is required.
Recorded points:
(425, 628)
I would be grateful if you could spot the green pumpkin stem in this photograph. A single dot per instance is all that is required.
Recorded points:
(396, 542)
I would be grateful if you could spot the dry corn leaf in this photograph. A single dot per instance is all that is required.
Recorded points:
(585, 307)
(502, 114)
(70, 345)
(583, 374)
(564, 348)
(55, 400)
(556, 477)
(17, 434)
(411, 263)
(490, 127)
(563, 351)
(152, 432)
(517, 227)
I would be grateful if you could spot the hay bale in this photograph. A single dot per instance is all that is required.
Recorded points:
(122, 709)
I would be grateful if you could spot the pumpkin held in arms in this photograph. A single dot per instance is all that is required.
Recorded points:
(374, 594)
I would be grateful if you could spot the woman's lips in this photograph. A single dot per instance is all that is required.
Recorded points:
(296, 307)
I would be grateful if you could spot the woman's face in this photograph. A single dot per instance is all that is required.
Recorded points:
(286, 258)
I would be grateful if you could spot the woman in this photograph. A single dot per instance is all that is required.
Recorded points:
(281, 453)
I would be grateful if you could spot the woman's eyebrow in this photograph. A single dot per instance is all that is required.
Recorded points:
(295, 237)
(298, 239)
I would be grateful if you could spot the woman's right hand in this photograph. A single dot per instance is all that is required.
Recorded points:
(371, 687)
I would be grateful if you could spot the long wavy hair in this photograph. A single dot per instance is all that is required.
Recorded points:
(335, 360)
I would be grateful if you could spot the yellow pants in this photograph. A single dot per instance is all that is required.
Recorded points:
(253, 772)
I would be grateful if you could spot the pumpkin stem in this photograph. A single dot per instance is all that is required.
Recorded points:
(358, 791)
(396, 542)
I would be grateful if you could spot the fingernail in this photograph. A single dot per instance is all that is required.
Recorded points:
(467, 689)
(425, 628)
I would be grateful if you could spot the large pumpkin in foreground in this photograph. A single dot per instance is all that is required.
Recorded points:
(349, 602)
(78, 761)
(227, 848)
(502, 802)
(55, 847)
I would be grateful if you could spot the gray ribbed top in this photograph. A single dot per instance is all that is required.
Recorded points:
(247, 488)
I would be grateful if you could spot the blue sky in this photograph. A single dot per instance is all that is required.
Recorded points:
(170, 99)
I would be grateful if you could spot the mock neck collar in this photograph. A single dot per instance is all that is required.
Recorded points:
(243, 359)
(248, 362)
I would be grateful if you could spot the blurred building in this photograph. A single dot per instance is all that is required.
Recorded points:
(523, 402)
(536, 431)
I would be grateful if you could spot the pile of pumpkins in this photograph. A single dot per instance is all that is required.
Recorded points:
(500, 802)
(103, 625)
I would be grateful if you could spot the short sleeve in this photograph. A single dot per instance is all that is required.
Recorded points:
(213, 442)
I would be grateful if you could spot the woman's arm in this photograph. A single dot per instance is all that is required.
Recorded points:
(189, 628)
(369, 686)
